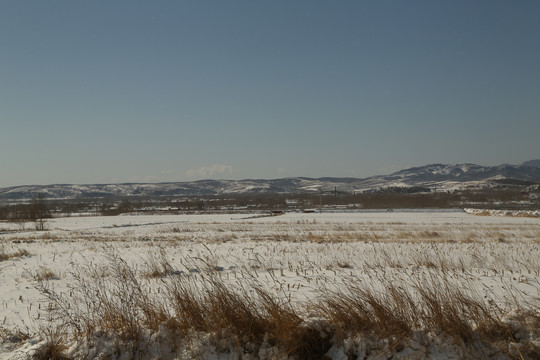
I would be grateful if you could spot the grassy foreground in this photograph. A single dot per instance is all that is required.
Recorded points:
(115, 310)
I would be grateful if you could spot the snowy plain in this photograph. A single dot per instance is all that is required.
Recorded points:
(297, 256)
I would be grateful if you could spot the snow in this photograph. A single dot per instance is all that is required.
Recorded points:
(292, 252)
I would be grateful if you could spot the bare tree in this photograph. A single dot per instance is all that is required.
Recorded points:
(39, 211)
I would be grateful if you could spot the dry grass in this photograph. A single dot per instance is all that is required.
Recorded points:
(247, 317)
(361, 312)
(157, 265)
(119, 302)
(237, 297)
(110, 300)
(120, 306)
(306, 231)
(435, 306)
(13, 336)
(55, 346)
(17, 254)
(44, 273)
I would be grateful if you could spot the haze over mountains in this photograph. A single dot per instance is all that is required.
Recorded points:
(435, 177)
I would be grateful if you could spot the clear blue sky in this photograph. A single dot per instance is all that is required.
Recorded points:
(132, 91)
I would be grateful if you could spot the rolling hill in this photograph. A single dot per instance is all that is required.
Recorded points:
(434, 177)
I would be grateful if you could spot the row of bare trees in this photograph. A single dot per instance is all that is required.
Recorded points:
(36, 211)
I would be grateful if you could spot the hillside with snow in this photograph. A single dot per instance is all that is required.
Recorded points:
(434, 177)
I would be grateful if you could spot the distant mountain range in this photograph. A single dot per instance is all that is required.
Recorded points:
(435, 177)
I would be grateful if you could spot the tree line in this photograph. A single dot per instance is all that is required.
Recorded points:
(39, 209)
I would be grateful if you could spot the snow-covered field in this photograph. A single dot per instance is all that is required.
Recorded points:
(298, 258)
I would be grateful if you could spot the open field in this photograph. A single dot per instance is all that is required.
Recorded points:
(367, 285)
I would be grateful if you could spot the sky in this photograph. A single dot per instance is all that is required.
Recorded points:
(111, 91)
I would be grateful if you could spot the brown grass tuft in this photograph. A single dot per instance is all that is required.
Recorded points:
(19, 253)
(44, 273)
(54, 347)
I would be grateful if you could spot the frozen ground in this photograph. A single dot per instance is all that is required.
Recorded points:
(297, 256)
